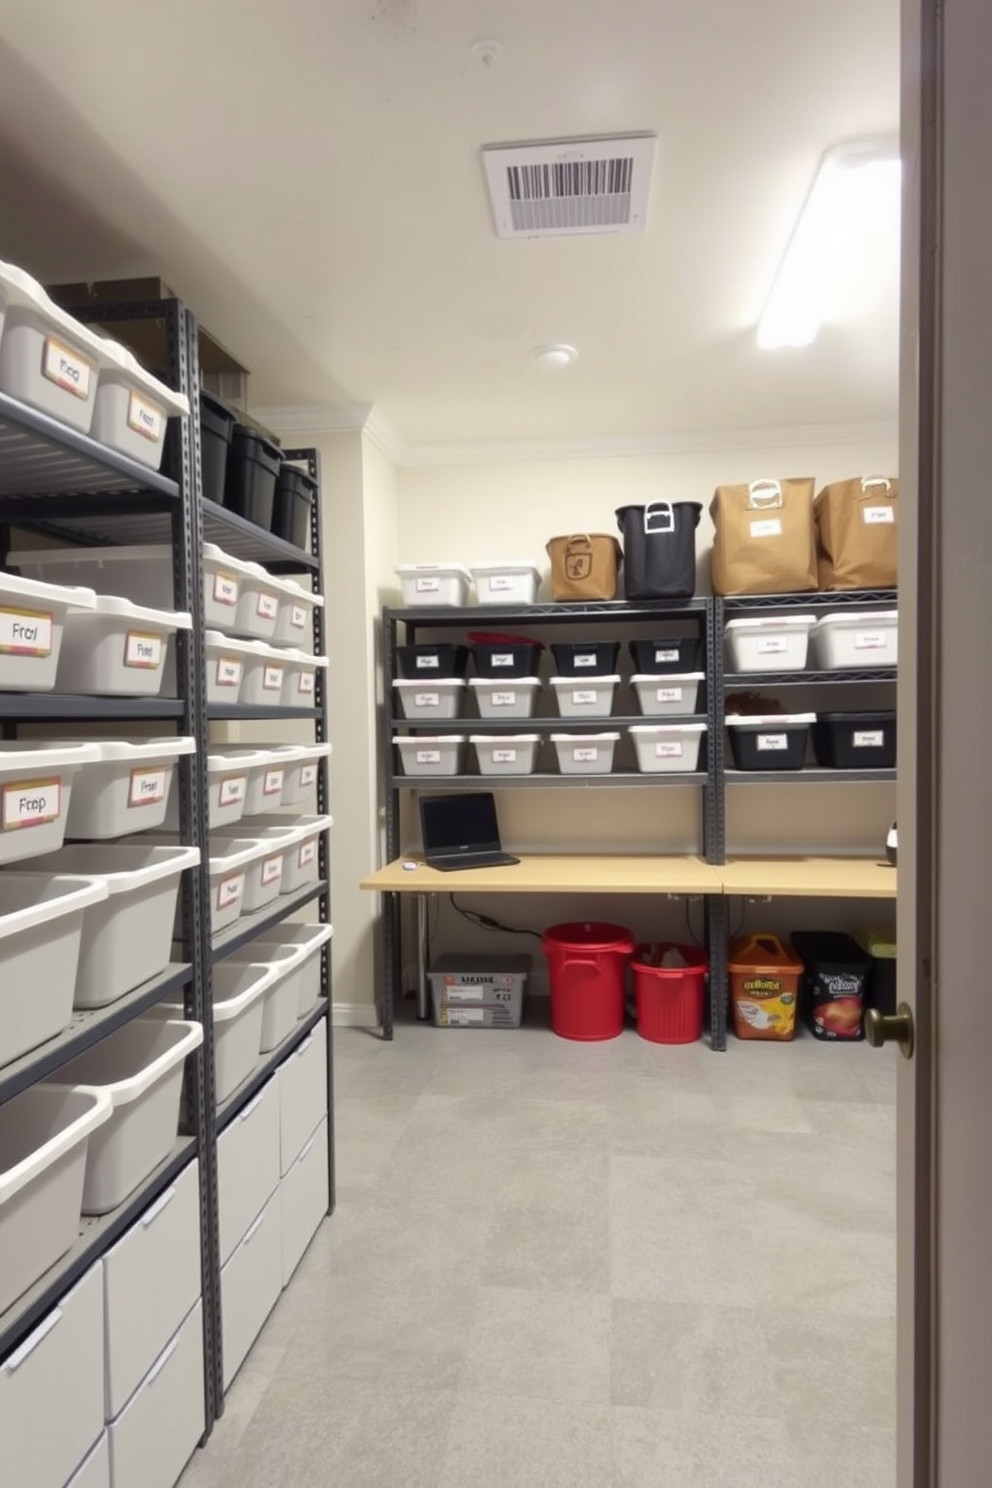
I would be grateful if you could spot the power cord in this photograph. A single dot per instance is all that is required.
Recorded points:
(485, 922)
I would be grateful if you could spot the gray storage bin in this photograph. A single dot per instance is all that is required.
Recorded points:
(478, 991)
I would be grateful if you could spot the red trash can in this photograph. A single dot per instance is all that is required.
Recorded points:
(669, 998)
(587, 963)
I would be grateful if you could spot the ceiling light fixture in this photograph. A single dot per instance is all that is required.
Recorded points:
(855, 192)
(554, 358)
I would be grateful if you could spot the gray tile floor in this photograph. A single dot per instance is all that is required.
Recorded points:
(572, 1266)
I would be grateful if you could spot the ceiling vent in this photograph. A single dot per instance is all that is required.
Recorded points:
(559, 188)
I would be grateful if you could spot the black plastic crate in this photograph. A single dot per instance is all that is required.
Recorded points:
(585, 658)
(835, 981)
(216, 428)
(507, 659)
(252, 467)
(666, 655)
(430, 659)
(296, 492)
(855, 741)
(768, 744)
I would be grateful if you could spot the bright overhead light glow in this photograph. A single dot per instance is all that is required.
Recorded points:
(854, 197)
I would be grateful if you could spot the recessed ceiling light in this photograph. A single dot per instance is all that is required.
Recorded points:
(554, 358)
(487, 51)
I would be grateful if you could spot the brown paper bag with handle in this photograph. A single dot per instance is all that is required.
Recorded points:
(584, 566)
(764, 540)
(858, 533)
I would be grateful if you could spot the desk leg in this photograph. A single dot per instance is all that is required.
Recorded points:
(717, 921)
(391, 958)
(423, 1006)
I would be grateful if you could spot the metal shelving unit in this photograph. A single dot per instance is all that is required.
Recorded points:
(266, 1066)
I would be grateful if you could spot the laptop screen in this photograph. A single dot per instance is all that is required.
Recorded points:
(459, 823)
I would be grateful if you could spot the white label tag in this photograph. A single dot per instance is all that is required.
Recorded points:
(233, 790)
(666, 653)
(306, 683)
(271, 870)
(307, 853)
(466, 1015)
(31, 803)
(428, 756)
(298, 617)
(272, 782)
(585, 756)
(143, 651)
(145, 419)
(871, 640)
(668, 751)
(499, 583)
(147, 787)
(428, 586)
(772, 646)
(66, 368)
(428, 663)
(226, 589)
(504, 756)
(772, 741)
(26, 632)
(228, 672)
(668, 695)
(427, 699)
(875, 516)
(267, 607)
(583, 696)
(455, 992)
(873, 739)
(501, 659)
(272, 678)
(503, 699)
(584, 660)
(767, 527)
(308, 775)
(230, 891)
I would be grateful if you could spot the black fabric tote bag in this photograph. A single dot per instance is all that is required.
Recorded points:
(659, 549)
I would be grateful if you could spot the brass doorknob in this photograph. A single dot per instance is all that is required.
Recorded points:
(891, 1028)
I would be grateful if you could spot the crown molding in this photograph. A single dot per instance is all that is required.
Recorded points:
(314, 418)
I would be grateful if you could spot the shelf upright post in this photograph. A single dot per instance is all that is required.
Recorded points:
(392, 960)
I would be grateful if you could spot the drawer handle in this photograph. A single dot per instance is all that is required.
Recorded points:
(160, 1205)
(163, 1360)
(254, 1229)
(30, 1343)
(252, 1107)
(307, 1150)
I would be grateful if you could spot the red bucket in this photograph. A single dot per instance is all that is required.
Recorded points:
(669, 998)
(587, 963)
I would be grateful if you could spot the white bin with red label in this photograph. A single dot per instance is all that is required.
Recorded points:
(132, 409)
(32, 622)
(128, 789)
(36, 781)
(118, 649)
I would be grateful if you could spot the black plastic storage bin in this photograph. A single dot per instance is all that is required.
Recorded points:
(880, 945)
(296, 492)
(496, 655)
(216, 428)
(430, 659)
(855, 741)
(659, 549)
(666, 656)
(252, 468)
(585, 658)
(768, 743)
(835, 981)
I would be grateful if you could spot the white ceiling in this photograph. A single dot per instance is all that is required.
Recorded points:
(307, 175)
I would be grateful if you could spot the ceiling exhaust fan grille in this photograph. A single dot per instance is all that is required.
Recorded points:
(570, 186)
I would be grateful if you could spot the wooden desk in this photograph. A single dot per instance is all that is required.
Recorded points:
(812, 878)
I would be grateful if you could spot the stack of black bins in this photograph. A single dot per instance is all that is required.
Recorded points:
(216, 430)
(432, 659)
(668, 655)
(252, 469)
(585, 658)
(495, 655)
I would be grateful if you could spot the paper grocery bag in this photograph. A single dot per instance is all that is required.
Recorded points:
(764, 540)
(584, 565)
(858, 533)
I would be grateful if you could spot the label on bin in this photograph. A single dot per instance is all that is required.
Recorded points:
(307, 853)
(228, 672)
(874, 515)
(772, 741)
(272, 678)
(499, 583)
(771, 645)
(428, 663)
(428, 756)
(503, 699)
(670, 750)
(26, 632)
(308, 775)
(272, 782)
(145, 419)
(226, 589)
(427, 586)
(230, 890)
(427, 699)
(460, 992)
(584, 695)
(233, 790)
(267, 607)
(31, 803)
(464, 1015)
(764, 1005)
(585, 660)
(767, 527)
(143, 650)
(306, 683)
(501, 659)
(271, 870)
(147, 787)
(869, 739)
(298, 617)
(67, 369)
(870, 640)
(666, 653)
(504, 756)
(668, 695)
(585, 756)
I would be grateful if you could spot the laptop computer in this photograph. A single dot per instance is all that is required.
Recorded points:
(461, 831)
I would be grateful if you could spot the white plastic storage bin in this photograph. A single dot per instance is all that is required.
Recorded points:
(263, 864)
(140, 1067)
(299, 946)
(299, 688)
(296, 841)
(250, 1284)
(505, 697)
(41, 927)
(32, 622)
(667, 749)
(127, 931)
(51, 1392)
(431, 754)
(267, 768)
(36, 782)
(257, 609)
(45, 1134)
(658, 696)
(132, 408)
(768, 643)
(585, 697)
(223, 578)
(505, 754)
(226, 659)
(443, 697)
(857, 641)
(227, 790)
(227, 869)
(48, 359)
(282, 996)
(513, 583)
(265, 669)
(127, 790)
(247, 1165)
(295, 624)
(239, 1007)
(302, 1095)
(156, 1434)
(119, 649)
(303, 1201)
(95, 1471)
(301, 865)
(585, 754)
(151, 1280)
(302, 773)
(433, 583)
